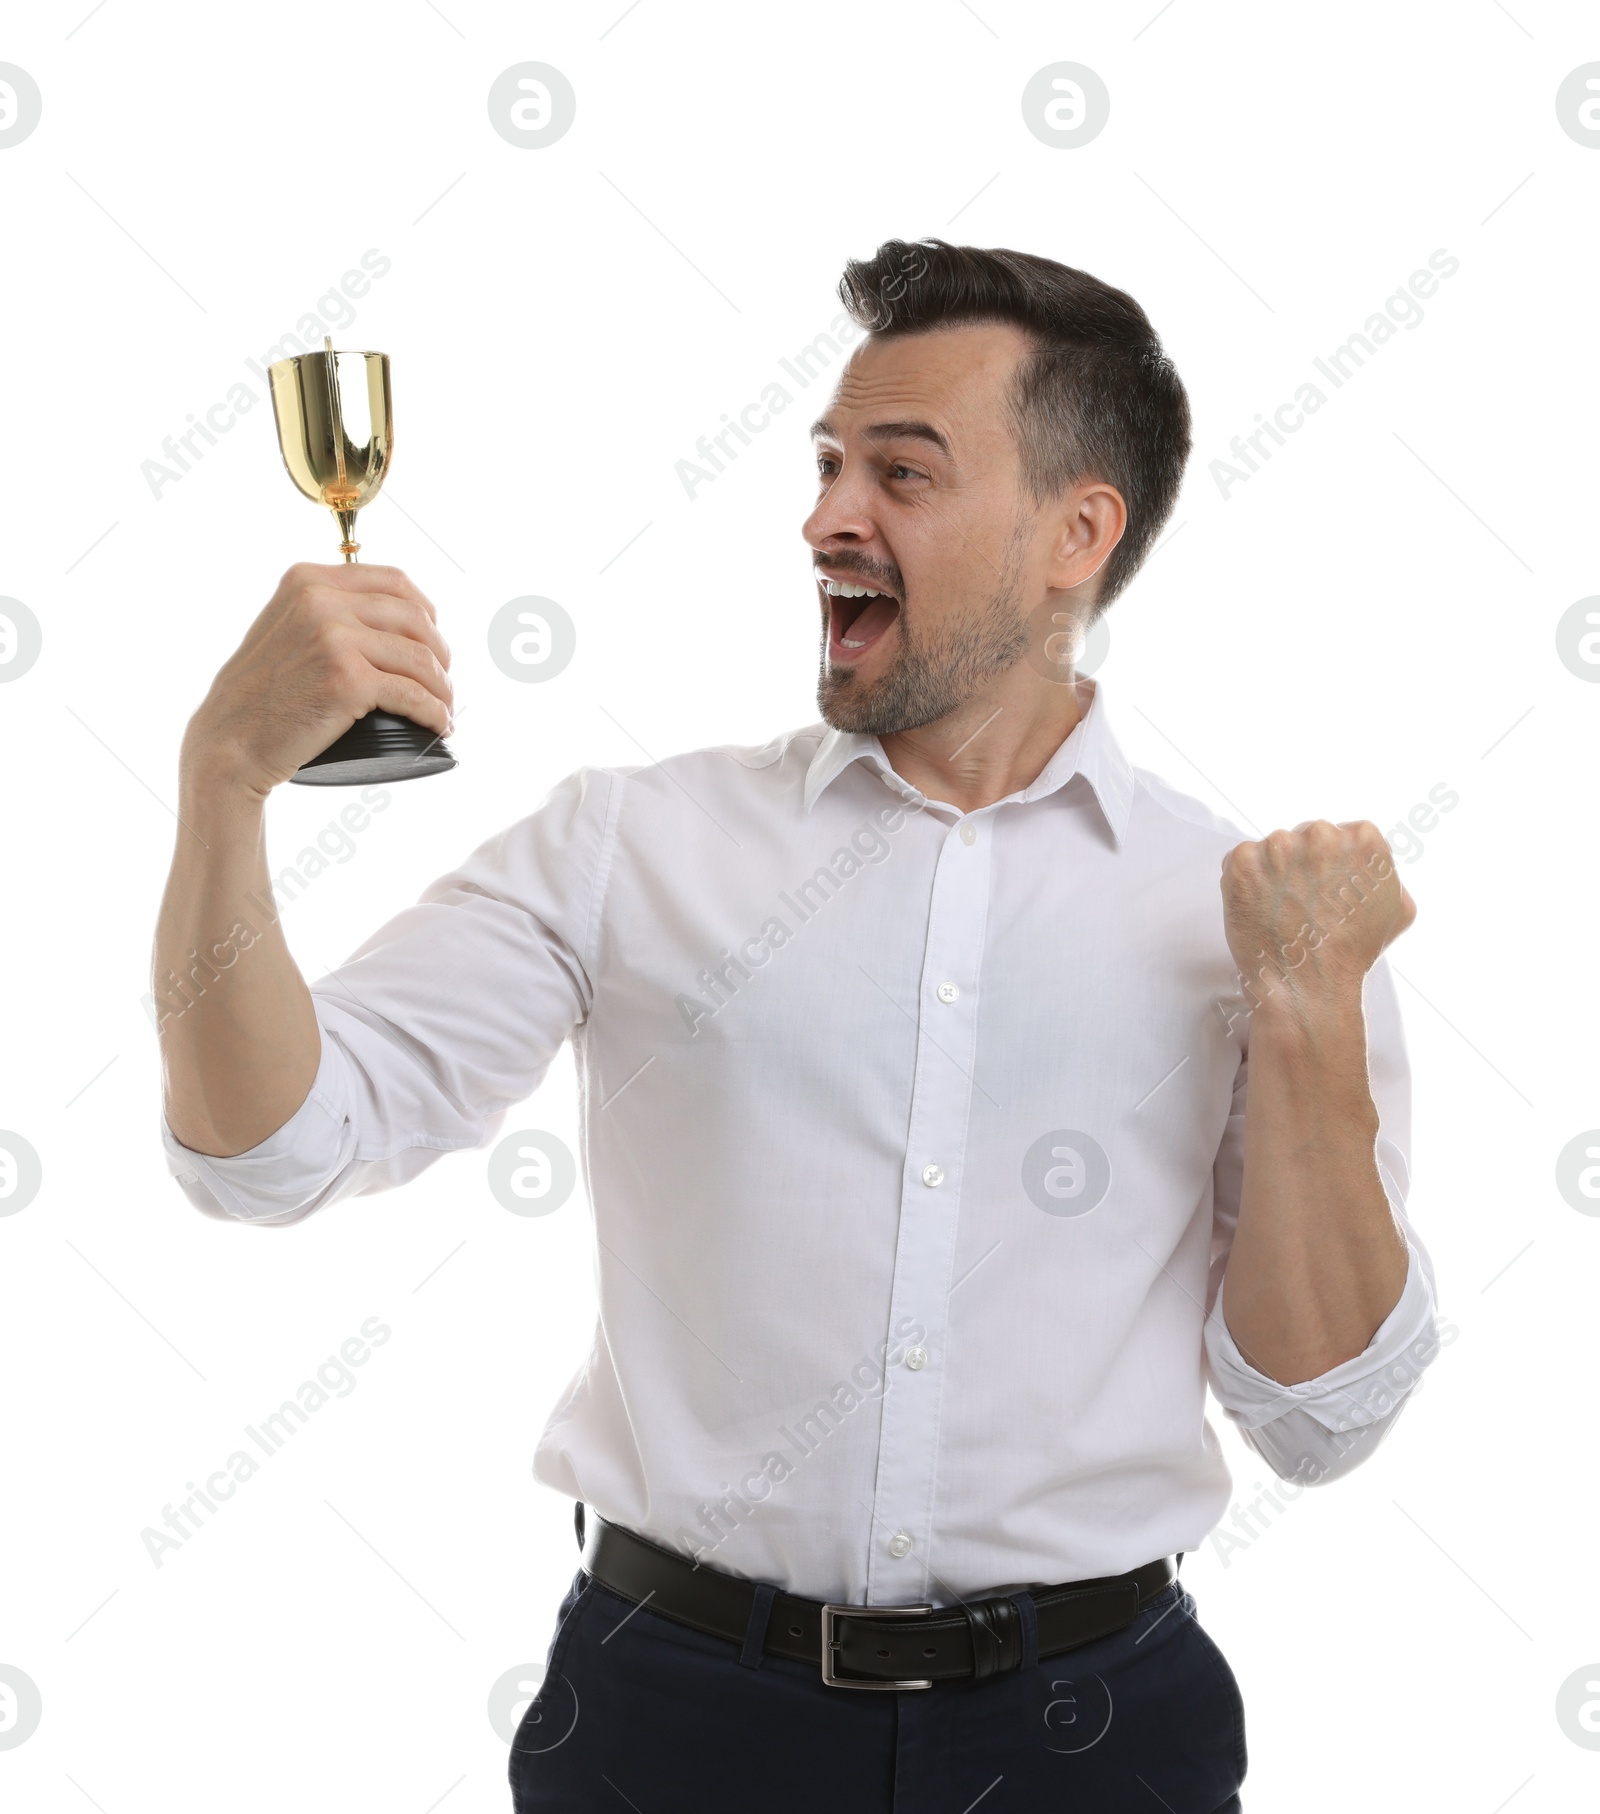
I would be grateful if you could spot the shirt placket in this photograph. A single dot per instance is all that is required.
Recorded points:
(930, 1203)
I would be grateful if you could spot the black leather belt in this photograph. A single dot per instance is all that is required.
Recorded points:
(866, 1647)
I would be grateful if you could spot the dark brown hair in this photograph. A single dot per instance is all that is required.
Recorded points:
(1097, 398)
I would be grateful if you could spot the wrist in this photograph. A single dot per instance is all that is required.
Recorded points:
(1318, 1036)
(214, 774)
(1294, 1009)
(216, 789)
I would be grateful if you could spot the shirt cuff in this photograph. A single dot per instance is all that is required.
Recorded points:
(1357, 1393)
(278, 1179)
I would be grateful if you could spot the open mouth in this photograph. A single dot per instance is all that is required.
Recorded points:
(858, 616)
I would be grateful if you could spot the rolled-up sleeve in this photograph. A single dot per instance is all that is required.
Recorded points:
(433, 1028)
(1321, 1428)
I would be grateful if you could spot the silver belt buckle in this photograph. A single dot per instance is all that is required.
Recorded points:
(830, 1643)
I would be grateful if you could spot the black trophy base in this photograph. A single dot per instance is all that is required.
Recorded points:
(378, 747)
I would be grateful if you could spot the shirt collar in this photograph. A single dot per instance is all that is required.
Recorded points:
(1090, 749)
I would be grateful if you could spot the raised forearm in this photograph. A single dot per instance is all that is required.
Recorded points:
(239, 1038)
(1318, 1259)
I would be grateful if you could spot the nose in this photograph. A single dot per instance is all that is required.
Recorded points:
(841, 518)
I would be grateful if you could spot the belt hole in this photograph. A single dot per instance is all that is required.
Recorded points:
(883, 1653)
(794, 1631)
(930, 1651)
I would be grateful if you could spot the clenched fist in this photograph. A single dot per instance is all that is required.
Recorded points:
(333, 643)
(1308, 911)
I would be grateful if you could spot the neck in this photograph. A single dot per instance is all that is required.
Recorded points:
(992, 745)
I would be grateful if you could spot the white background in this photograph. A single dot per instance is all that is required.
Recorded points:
(1371, 614)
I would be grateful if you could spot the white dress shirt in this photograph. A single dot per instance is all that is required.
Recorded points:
(914, 1142)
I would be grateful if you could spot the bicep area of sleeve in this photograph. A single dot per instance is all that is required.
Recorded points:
(454, 1010)
(452, 1017)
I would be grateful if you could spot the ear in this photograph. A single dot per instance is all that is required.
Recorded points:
(1091, 518)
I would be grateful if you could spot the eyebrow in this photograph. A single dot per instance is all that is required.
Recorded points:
(889, 431)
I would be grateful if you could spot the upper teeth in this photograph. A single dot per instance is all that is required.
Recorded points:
(839, 588)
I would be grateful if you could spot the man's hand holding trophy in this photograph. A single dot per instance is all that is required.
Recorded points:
(343, 679)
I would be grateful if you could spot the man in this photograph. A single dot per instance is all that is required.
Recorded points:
(915, 1050)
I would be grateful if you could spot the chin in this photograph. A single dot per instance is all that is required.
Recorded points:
(881, 708)
(846, 704)
(842, 709)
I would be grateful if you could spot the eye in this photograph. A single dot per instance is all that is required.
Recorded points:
(903, 472)
(825, 463)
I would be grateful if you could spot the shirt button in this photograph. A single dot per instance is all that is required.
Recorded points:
(947, 992)
(969, 834)
(916, 1359)
(933, 1176)
(899, 1544)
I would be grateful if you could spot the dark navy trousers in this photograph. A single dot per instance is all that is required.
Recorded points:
(637, 1710)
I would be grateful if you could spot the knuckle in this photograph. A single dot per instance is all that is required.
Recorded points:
(347, 670)
(326, 633)
(308, 576)
(320, 600)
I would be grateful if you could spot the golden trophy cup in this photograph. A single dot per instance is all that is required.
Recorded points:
(336, 430)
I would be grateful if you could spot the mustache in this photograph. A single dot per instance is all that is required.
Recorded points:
(881, 579)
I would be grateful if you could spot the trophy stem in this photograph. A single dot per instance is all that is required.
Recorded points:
(347, 518)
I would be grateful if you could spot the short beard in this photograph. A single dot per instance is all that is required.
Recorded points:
(927, 682)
